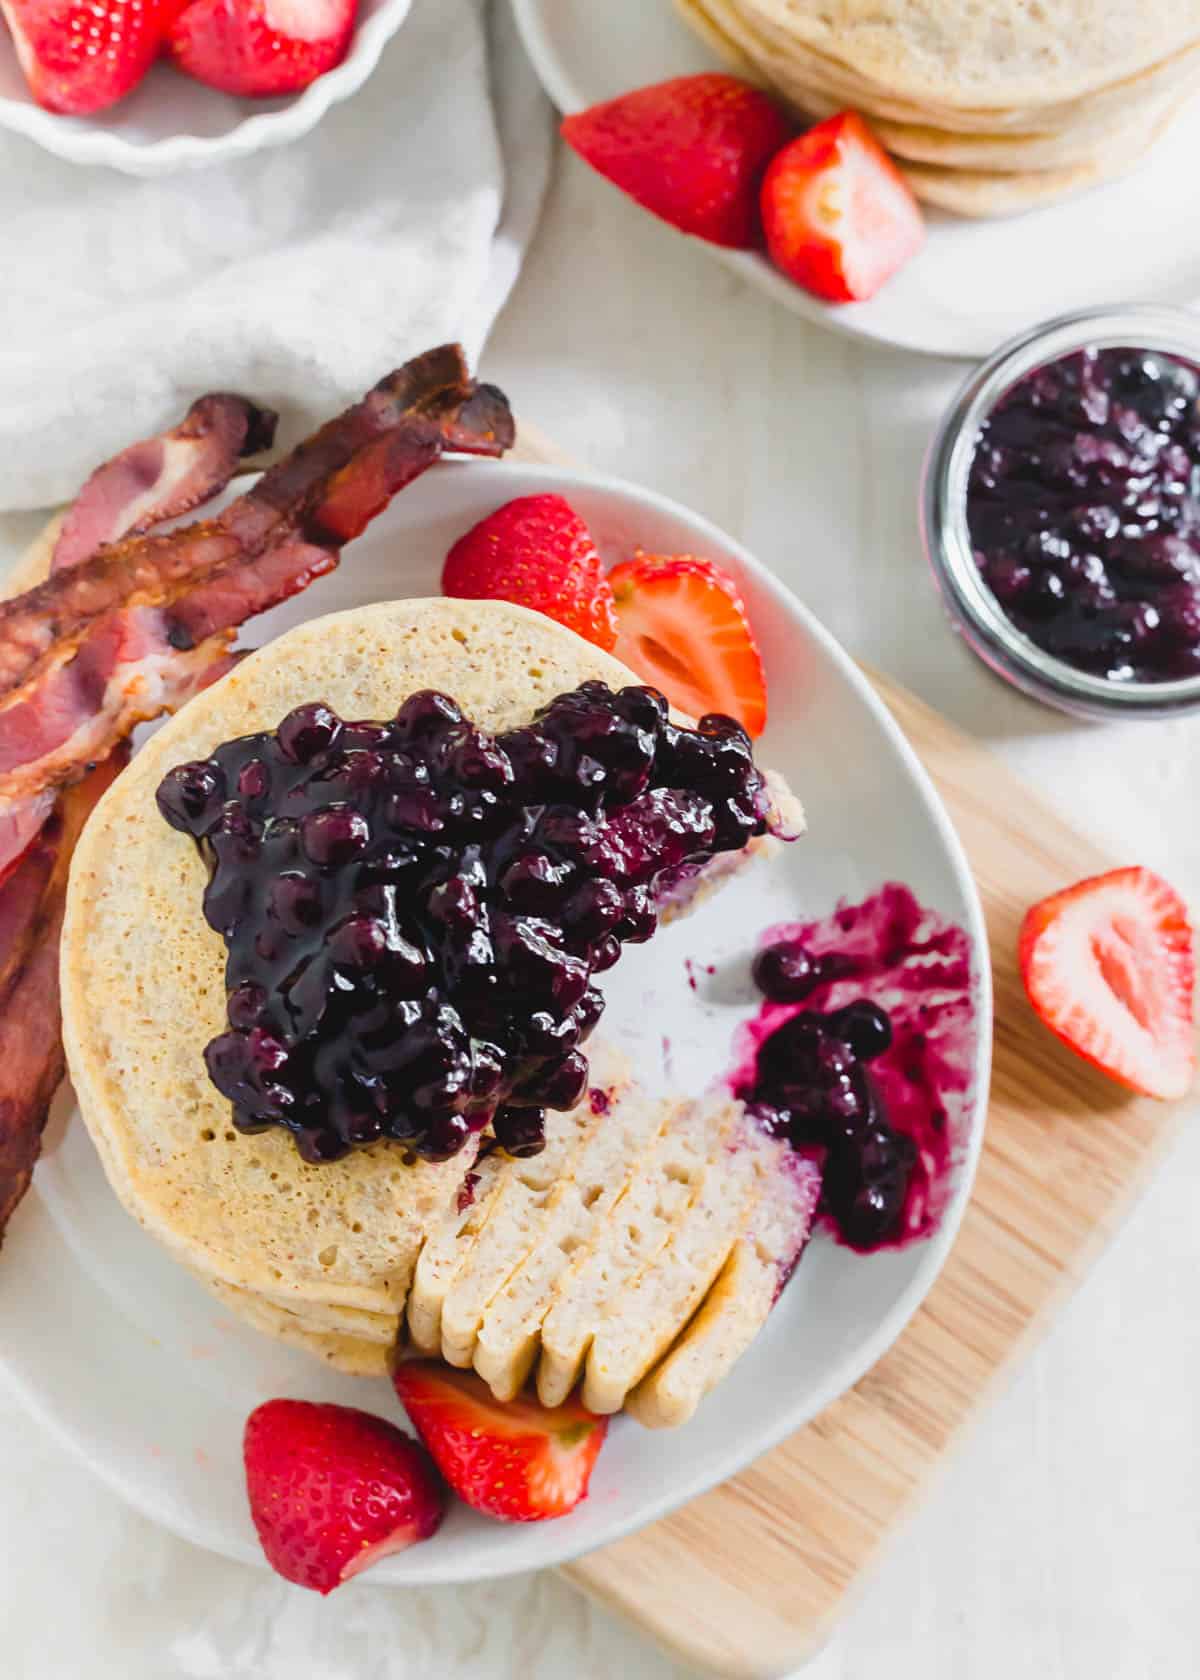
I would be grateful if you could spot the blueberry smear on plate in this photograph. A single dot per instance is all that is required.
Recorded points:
(414, 911)
(860, 1058)
(1083, 506)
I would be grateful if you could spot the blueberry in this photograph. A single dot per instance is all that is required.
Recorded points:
(334, 835)
(307, 731)
(521, 1131)
(864, 1026)
(786, 972)
(190, 797)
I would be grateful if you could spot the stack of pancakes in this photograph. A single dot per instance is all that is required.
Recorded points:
(989, 106)
(642, 1219)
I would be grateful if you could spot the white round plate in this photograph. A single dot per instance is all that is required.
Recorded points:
(170, 122)
(140, 1372)
(975, 283)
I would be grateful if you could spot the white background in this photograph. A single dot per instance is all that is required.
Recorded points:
(1065, 1540)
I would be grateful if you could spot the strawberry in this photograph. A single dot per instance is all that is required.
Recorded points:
(1109, 966)
(683, 627)
(537, 552)
(261, 47)
(692, 150)
(332, 1489)
(518, 1461)
(840, 218)
(81, 56)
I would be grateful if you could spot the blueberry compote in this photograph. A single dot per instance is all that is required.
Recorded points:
(414, 911)
(862, 1058)
(1083, 505)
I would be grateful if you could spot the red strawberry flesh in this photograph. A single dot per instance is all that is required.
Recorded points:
(683, 627)
(692, 150)
(258, 48)
(81, 56)
(333, 1489)
(1109, 965)
(537, 552)
(840, 219)
(517, 1461)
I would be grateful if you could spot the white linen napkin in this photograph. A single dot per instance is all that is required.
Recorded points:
(298, 276)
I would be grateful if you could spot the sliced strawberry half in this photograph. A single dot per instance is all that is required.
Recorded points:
(839, 217)
(81, 56)
(691, 150)
(537, 552)
(519, 1461)
(257, 48)
(1110, 966)
(333, 1489)
(682, 625)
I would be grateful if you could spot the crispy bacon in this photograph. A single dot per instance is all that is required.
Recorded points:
(158, 595)
(31, 911)
(165, 476)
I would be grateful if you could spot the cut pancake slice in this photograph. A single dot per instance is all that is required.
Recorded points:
(509, 1336)
(737, 1305)
(639, 1226)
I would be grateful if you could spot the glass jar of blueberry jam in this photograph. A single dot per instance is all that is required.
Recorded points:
(1061, 512)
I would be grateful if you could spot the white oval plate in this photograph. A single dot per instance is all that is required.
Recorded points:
(975, 283)
(170, 122)
(139, 1371)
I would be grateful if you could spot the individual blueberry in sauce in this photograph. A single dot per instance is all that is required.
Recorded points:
(414, 911)
(861, 1058)
(1083, 506)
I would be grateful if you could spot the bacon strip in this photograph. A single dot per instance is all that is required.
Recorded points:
(165, 476)
(32, 900)
(114, 620)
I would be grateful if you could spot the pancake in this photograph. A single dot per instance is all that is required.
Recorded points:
(971, 53)
(143, 987)
(142, 973)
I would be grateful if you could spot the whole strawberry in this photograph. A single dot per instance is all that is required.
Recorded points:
(516, 1460)
(81, 56)
(537, 552)
(692, 150)
(333, 1489)
(260, 47)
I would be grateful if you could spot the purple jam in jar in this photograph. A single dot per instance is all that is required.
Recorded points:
(1083, 511)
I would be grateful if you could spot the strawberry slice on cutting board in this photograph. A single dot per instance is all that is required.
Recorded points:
(840, 218)
(516, 1460)
(1110, 967)
(682, 626)
(81, 56)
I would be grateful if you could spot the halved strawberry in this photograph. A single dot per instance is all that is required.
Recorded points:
(81, 56)
(260, 47)
(333, 1489)
(682, 625)
(1110, 966)
(519, 1461)
(840, 219)
(692, 150)
(537, 552)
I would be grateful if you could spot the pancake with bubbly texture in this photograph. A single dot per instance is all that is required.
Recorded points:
(986, 55)
(143, 974)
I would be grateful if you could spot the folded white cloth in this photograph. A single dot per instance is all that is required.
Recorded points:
(298, 276)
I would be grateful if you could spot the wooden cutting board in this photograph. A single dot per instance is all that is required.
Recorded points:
(748, 1579)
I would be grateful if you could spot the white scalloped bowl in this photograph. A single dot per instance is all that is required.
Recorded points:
(171, 122)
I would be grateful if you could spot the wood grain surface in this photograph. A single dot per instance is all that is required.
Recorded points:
(748, 1579)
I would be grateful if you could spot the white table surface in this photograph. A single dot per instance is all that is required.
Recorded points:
(1065, 1541)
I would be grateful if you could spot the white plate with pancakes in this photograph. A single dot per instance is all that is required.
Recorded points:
(977, 281)
(136, 1368)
